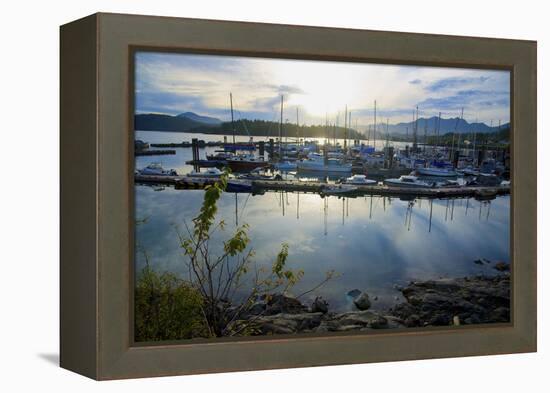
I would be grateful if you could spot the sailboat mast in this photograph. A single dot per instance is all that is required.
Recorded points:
(281, 131)
(474, 147)
(415, 131)
(232, 119)
(297, 126)
(345, 128)
(374, 137)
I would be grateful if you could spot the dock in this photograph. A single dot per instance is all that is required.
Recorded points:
(383, 190)
(155, 152)
(260, 186)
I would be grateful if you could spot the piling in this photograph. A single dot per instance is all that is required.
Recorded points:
(455, 158)
(261, 148)
(390, 157)
(271, 148)
(195, 148)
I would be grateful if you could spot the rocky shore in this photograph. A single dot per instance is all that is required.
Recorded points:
(443, 302)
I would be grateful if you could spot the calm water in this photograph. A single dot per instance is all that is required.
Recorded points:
(373, 243)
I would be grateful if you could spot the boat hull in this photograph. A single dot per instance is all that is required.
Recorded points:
(406, 185)
(323, 168)
(436, 172)
(246, 166)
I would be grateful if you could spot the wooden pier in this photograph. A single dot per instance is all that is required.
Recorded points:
(260, 186)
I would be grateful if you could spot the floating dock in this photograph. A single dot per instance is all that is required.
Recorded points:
(155, 152)
(260, 186)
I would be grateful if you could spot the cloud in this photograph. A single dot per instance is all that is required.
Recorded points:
(454, 82)
(471, 100)
(173, 83)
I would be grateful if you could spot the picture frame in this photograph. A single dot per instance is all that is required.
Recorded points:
(97, 217)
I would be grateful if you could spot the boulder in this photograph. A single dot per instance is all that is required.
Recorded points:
(362, 302)
(319, 305)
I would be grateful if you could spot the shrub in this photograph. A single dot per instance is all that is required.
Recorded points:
(166, 308)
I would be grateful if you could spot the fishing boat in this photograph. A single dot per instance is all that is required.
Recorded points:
(409, 182)
(360, 180)
(210, 172)
(156, 169)
(246, 163)
(316, 162)
(285, 166)
(238, 185)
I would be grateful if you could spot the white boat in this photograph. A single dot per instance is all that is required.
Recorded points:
(156, 169)
(210, 172)
(285, 166)
(360, 180)
(408, 181)
(434, 171)
(338, 189)
(469, 171)
(316, 162)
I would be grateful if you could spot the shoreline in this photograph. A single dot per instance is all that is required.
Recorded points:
(443, 302)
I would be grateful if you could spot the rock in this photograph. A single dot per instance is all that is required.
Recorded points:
(354, 293)
(478, 262)
(502, 267)
(412, 321)
(319, 305)
(279, 303)
(362, 301)
(347, 328)
(270, 328)
(379, 322)
(356, 317)
(375, 298)
(257, 308)
(471, 299)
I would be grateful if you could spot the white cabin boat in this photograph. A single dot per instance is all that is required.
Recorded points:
(156, 169)
(210, 172)
(360, 180)
(408, 181)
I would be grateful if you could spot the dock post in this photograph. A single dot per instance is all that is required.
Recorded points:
(390, 157)
(407, 151)
(271, 148)
(480, 156)
(455, 158)
(195, 152)
(262, 148)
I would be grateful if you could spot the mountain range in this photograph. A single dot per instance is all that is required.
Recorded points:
(192, 122)
(445, 125)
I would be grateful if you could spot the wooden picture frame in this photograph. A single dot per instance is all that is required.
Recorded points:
(97, 202)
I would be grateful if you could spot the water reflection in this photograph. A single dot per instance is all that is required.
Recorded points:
(373, 242)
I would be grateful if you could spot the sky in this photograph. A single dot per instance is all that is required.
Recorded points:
(172, 83)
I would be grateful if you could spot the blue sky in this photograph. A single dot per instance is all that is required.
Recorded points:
(174, 83)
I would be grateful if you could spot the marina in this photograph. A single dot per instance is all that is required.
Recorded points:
(285, 208)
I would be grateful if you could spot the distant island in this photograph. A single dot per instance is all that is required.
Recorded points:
(193, 123)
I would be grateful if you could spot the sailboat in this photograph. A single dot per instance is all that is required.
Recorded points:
(315, 162)
(242, 162)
